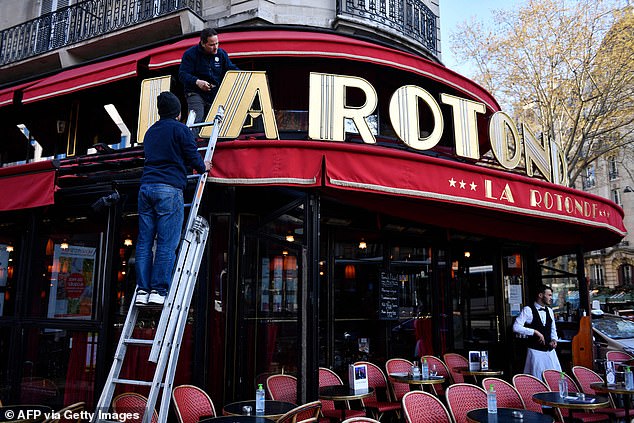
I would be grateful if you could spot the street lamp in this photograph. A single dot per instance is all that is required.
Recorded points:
(628, 189)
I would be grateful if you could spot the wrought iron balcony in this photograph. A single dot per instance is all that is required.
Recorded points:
(80, 22)
(410, 18)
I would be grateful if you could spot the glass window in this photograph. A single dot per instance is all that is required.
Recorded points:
(616, 196)
(613, 170)
(65, 261)
(589, 180)
(625, 274)
(11, 230)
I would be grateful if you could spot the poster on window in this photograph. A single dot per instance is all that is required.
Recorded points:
(72, 282)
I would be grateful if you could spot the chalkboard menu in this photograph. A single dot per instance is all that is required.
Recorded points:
(388, 297)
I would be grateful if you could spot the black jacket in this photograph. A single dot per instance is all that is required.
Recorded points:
(196, 64)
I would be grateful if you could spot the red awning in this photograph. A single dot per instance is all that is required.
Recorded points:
(259, 44)
(428, 189)
(27, 186)
(6, 94)
(83, 77)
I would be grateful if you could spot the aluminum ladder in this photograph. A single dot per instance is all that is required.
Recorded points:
(165, 346)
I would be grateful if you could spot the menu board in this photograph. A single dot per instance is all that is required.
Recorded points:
(388, 297)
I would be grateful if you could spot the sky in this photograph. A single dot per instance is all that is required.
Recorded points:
(453, 12)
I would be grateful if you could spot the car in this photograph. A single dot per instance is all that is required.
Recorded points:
(613, 333)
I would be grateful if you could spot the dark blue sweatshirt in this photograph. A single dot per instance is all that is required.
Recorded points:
(196, 64)
(169, 148)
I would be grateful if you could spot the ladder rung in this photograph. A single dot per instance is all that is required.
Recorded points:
(132, 382)
(136, 341)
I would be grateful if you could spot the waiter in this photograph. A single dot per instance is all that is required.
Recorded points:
(541, 333)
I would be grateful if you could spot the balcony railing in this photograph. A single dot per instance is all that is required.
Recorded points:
(82, 21)
(410, 18)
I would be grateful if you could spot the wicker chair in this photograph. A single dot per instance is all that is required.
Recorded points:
(422, 407)
(377, 406)
(618, 356)
(398, 365)
(282, 388)
(442, 370)
(585, 377)
(464, 397)
(328, 378)
(453, 361)
(130, 402)
(191, 403)
(551, 377)
(360, 420)
(526, 386)
(306, 413)
(507, 395)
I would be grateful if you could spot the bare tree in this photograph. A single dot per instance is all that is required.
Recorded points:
(564, 67)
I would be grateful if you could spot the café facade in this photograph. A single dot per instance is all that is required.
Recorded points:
(365, 203)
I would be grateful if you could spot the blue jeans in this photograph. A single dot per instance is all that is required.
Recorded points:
(160, 216)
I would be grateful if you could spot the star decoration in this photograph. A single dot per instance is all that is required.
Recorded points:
(473, 186)
(463, 184)
(452, 182)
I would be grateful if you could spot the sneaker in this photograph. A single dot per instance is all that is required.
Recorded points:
(142, 297)
(156, 298)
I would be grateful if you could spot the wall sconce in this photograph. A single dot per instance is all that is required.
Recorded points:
(467, 254)
(284, 253)
(363, 245)
(350, 272)
(628, 189)
(61, 126)
(290, 238)
(64, 245)
(127, 242)
(9, 248)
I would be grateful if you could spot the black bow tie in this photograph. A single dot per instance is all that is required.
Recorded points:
(541, 308)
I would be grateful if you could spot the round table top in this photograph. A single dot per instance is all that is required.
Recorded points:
(343, 392)
(553, 399)
(272, 409)
(236, 419)
(416, 380)
(24, 413)
(490, 372)
(481, 415)
(617, 388)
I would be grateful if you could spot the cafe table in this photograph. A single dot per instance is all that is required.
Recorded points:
(617, 388)
(478, 373)
(571, 402)
(272, 409)
(24, 413)
(343, 393)
(414, 381)
(235, 419)
(481, 415)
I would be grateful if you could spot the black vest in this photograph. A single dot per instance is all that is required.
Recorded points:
(545, 330)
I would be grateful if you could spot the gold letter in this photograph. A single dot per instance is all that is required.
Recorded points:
(505, 141)
(237, 93)
(404, 115)
(536, 153)
(328, 109)
(465, 124)
(560, 165)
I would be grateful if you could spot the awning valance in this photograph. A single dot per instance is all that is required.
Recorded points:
(428, 189)
(7, 94)
(83, 77)
(27, 186)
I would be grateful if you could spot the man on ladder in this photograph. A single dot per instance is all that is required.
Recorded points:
(169, 148)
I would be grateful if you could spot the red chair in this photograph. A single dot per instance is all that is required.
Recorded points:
(422, 407)
(442, 370)
(618, 356)
(506, 394)
(131, 402)
(374, 403)
(398, 365)
(527, 386)
(464, 397)
(453, 361)
(306, 413)
(191, 403)
(328, 378)
(585, 377)
(282, 388)
(551, 377)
